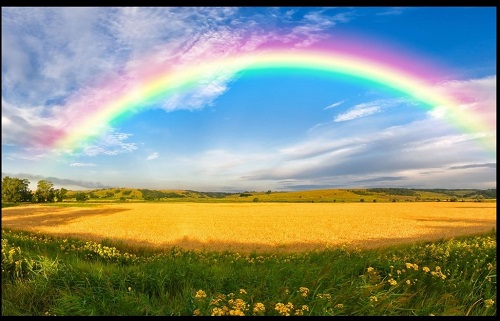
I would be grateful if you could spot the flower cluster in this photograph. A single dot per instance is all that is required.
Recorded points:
(226, 305)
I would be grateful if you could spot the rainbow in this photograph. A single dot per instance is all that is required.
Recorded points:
(154, 83)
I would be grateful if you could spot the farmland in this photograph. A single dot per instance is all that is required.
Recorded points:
(257, 226)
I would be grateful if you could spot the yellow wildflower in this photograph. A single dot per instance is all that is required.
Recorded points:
(200, 295)
(304, 291)
(219, 311)
(284, 309)
(259, 308)
(236, 312)
(239, 304)
(299, 312)
(488, 303)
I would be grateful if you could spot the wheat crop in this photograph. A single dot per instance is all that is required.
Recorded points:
(258, 226)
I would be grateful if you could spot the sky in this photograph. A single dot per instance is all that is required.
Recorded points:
(235, 99)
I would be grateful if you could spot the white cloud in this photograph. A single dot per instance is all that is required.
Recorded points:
(335, 104)
(395, 11)
(82, 164)
(369, 108)
(477, 97)
(361, 110)
(112, 143)
(152, 156)
(26, 126)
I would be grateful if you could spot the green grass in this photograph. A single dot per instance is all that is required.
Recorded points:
(308, 196)
(71, 204)
(45, 275)
(7, 204)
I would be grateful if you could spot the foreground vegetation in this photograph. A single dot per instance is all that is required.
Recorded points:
(45, 275)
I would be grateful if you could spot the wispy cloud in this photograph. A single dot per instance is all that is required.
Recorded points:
(152, 156)
(387, 155)
(358, 111)
(111, 143)
(369, 108)
(381, 179)
(477, 97)
(335, 104)
(83, 164)
(395, 11)
(486, 165)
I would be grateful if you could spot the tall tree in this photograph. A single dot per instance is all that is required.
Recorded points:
(60, 194)
(45, 191)
(15, 190)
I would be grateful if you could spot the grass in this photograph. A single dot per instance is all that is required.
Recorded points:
(47, 275)
(72, 204)
(305, 196)
(8, 204)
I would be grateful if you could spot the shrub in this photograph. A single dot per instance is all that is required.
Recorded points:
(81, 197)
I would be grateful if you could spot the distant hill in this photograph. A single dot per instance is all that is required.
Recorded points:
(323, 195)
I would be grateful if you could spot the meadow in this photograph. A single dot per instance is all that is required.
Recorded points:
(277, 259)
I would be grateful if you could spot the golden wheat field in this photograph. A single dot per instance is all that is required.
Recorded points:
(258, 226)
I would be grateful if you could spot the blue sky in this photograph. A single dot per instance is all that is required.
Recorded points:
(259, 131)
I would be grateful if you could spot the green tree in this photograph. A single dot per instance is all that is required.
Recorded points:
(60, 194)
(16, 190)
(81, 197)
(44, 191)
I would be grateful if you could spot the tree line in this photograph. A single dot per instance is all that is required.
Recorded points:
(16, 190)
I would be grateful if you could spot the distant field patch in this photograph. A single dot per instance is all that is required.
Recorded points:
(258, 226)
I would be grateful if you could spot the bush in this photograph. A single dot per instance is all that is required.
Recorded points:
(81, 197)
